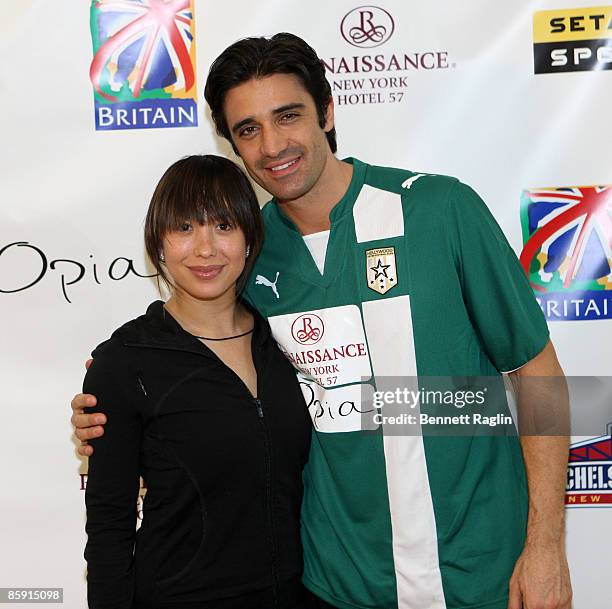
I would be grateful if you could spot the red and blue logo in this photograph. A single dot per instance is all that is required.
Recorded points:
(567, 253)
(143, 69)
(589, 475)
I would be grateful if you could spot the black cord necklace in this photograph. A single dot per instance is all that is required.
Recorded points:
(207, 337)
(227, 337)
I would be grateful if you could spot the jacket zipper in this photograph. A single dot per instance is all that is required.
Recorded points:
(268, 466)
(259, 407)
(267, 450)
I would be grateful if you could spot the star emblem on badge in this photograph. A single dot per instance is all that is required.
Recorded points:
(380, 269)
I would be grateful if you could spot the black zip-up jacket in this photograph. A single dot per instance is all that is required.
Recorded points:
(223, 472)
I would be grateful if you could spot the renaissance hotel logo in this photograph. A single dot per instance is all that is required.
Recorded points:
(143, 68)
(567, 252)
(367, 26)
(373, 65)
(572, 40)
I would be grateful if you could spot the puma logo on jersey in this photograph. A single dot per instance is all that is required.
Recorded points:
(410, 181)
(261, 280)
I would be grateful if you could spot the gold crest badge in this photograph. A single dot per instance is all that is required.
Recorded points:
(381, 272)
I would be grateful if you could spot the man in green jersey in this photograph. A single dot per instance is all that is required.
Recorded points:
(370, 272)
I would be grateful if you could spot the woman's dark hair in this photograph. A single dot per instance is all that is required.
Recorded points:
(203, 188)
(260, 57)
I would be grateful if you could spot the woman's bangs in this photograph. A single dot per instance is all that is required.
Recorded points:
(202, 204)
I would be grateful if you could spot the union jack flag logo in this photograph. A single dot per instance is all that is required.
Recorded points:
(567, 235)
(143, 50)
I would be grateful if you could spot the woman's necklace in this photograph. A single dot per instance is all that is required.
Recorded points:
(208, 338)
(227, 337)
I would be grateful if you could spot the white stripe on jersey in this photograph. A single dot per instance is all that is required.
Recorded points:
(388, 325)
(378, 214)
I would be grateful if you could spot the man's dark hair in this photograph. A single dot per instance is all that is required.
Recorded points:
(203, 188)
(260, 57)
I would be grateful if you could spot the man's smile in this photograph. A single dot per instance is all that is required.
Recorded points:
(284, 167)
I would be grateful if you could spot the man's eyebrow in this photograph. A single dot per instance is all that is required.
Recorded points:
(287, 107)
(242, 123)
(279, 110)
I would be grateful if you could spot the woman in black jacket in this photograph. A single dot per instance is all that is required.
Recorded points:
(202, 404)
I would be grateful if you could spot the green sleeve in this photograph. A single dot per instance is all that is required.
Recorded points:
(499, 300)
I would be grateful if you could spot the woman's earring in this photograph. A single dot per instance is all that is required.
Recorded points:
(248, 251)
(161, 257)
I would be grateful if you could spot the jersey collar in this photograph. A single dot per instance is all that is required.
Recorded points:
(344, 206)
(338, 241)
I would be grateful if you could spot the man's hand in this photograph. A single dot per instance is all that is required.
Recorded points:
(541, 578)
(87, 426)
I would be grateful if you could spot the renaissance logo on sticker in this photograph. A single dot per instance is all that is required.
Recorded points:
(143, 68)
(308, 329)
(327, 345)
(572, 40)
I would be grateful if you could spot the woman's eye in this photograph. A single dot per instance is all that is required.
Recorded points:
(224, 226)
(184, 227)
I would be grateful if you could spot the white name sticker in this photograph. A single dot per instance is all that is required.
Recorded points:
(328, 347)
(339, 409)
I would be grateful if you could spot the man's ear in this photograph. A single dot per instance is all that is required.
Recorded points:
(329, 115)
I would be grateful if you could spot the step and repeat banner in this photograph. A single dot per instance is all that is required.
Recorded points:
(99, 98)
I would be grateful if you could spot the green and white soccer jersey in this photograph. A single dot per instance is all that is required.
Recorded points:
(418, 279)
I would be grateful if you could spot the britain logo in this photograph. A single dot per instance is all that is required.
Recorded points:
(589, 475)
(143, 69)
(567, 252)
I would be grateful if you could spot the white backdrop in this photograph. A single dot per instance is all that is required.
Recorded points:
(80, 195)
